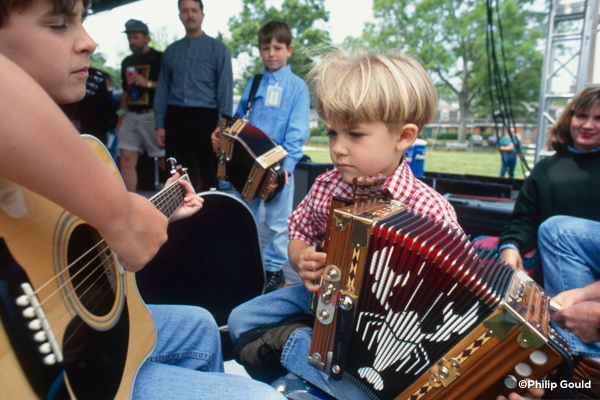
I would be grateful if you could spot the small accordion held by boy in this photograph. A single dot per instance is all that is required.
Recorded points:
(249, 159)
(409, 309)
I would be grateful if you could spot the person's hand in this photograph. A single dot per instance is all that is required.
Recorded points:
(215, 138)
(309, 266)
(192, 203)
(532, 393)
(139, 80)
(273, 186)
(512, 257)
(160, 137)
(581, 319)
(138, 236)
(570, 297)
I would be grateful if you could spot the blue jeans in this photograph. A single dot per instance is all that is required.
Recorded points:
(187, 362)
(509, 162)
(277, 212)
(275, 306)
(570, 252)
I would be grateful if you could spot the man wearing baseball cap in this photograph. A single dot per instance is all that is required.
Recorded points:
(135, 127)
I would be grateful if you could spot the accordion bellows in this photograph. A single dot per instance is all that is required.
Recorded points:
(249, 159)
(409, 309)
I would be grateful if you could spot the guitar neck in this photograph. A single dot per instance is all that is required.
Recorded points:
(170, 198)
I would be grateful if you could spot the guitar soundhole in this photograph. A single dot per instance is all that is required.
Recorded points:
(92, 270)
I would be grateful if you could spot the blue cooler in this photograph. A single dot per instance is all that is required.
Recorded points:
(415, 156)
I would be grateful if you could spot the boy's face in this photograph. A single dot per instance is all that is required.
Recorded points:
(367, 149)
(52, 48)
(275, 54)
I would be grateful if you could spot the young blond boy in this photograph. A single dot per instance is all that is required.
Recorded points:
(46, 38)
(280, 109)
(374, 106)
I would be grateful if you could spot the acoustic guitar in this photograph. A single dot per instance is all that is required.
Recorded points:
(72, 323)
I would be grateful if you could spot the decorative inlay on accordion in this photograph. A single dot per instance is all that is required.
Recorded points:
(409, 309)
(249, 159)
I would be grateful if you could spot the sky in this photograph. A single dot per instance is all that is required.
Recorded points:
(346, 18)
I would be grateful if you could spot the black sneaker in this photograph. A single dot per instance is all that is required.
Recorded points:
(275, 280)
(263, 345)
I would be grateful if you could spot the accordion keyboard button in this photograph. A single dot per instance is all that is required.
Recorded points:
(523, 369)
(538, 357)
(510, 382)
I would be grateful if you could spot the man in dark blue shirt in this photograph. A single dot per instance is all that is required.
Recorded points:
(194, 89)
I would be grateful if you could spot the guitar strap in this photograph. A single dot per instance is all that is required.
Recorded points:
(253, 90)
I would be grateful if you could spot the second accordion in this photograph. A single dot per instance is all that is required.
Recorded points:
(250, 160)
(409, 309)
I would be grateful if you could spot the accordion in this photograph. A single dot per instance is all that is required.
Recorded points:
(408, 309)
(249, 159)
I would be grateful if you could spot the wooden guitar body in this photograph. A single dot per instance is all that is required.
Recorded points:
(80, 329)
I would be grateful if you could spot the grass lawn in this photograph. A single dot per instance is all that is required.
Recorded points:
(481, 161)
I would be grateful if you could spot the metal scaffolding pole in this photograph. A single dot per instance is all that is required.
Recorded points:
(570, 43)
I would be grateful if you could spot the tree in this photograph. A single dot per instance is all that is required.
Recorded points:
(300, 15)
(449, 38)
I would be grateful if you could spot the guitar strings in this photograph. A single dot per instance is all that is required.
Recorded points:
(164, 204)
(172, 192)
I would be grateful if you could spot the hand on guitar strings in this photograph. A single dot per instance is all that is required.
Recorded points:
(138, 235)
(192, 203)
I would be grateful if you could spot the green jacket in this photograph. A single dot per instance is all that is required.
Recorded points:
(564, 184)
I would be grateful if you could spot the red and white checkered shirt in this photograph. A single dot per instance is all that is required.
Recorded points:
(308, 222)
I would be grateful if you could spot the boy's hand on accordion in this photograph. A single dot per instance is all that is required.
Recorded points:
(191, 202)
(306, 262)
(273, 186)
(215, 138)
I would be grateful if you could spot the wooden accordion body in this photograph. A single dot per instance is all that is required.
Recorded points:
(249, 159)
(408, 309)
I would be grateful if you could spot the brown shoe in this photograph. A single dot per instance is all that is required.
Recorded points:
(263, 345)
(586, 376)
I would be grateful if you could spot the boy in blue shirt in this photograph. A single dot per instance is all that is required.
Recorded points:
(280, 109)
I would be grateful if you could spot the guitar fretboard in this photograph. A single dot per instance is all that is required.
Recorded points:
(170, 198)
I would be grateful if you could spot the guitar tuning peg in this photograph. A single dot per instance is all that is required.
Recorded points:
(172, 162)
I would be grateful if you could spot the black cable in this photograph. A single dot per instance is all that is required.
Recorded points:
(505, 109)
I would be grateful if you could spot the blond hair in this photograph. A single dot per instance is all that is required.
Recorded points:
(359, 87)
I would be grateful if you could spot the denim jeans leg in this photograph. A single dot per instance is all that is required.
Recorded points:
(295, 359)
(277, 212)
(268, 309)
(570, 260)
(187, 362)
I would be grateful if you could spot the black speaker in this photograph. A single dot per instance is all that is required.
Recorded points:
(304, 176)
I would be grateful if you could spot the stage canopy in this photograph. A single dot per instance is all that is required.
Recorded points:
(103, 5)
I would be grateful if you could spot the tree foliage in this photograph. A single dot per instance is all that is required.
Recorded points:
(449, 38)
(300, 15)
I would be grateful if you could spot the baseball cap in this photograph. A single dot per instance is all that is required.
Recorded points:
(133, 25)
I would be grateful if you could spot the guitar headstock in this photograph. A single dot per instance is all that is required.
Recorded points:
(177, 168)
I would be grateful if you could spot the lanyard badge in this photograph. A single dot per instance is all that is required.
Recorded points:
(274, 96)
